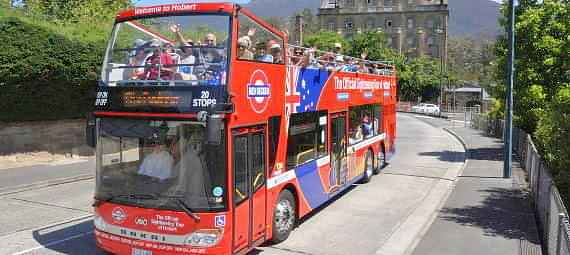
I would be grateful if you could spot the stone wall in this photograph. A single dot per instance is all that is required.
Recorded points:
(63, 137)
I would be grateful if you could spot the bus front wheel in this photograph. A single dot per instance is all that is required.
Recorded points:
(284, 216)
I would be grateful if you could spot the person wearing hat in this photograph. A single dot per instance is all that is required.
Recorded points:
(244, 44)
(261, 53)
(276, 52)
(137, 59)
(159, 64)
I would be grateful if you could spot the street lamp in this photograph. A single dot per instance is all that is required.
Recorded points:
(508, 162)
(440, 34)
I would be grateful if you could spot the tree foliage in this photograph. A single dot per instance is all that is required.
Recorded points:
(542, 80)
(325, 40)
(51, 56)
(542, 57)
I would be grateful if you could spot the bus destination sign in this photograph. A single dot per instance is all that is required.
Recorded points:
(159, 99)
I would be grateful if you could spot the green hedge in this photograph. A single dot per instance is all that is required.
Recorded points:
(43, 74)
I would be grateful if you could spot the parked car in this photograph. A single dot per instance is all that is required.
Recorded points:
(431, 109)
(418, 108)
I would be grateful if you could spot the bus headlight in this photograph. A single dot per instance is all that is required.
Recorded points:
(204, 238)
(99, 223)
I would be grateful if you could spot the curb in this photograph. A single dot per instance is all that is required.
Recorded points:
(458, 137)
(44, 184)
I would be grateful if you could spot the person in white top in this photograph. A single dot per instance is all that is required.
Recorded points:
(158, 164)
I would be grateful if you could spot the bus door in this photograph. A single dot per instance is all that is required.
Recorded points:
(249, 171)
(339, 171)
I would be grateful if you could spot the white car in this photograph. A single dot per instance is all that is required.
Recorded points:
(431, 109)
(418, 108)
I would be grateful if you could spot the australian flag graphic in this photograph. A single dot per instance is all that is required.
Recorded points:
(310, 85)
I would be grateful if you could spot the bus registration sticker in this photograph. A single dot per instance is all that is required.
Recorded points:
(258, 91)
(136, 251)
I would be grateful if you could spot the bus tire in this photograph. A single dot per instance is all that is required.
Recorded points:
(368, 167)
(381, 161)
(284, 216)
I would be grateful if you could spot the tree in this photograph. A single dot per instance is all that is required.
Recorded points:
(419, 79)
(542, 57)
(76, 11)
(325, 40)
(373, 44)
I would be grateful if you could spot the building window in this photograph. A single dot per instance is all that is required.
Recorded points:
(348, 25)
(430, 23)
(389, 41)
(430, 41)
(332, 26)
(370, 24)
(307, 138)
(388, 23)
(388, 3)
(349, 3)
(410, 23)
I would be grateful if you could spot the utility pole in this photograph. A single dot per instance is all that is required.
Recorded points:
(507, 169)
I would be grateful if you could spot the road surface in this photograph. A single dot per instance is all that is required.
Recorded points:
(385, 216)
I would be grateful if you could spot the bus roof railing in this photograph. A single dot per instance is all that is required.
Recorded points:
(311, 57)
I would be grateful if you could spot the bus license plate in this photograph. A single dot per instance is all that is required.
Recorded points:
(141, 252)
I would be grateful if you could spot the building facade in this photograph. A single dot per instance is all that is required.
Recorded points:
(413, 27)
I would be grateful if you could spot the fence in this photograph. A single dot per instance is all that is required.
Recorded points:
(552, 216)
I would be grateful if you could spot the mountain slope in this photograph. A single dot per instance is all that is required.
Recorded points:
(467, 17)
(473, 17)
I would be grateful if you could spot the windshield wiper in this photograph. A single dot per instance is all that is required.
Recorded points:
(186, 208)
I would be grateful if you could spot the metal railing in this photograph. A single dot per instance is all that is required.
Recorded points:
(551, 213)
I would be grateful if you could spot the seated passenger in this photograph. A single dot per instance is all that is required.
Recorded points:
(158, 163)
(275, 51)
(244, 43)
(367, 129)
(137, 60)
(261, 53)
(159, 64)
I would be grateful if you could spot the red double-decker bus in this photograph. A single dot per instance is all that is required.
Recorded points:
(214, 136)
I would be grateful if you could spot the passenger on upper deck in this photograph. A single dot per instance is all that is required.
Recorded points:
(159, 64)
(137, 60)
(276, 52)
(261, 53)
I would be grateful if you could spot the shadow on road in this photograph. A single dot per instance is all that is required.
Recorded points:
(446, 156)
(68, 239)
(499, 214)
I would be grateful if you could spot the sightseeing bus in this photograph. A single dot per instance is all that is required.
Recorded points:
(213, 135)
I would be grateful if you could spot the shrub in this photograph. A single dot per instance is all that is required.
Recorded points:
(43, 74)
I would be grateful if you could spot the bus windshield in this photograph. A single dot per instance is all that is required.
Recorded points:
(160, 164)
(169, 50)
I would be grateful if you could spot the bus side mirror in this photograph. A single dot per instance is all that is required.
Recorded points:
(90, 129)
(214, 127)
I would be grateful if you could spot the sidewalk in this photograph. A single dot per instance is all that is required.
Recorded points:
(485, 214)
(24, 178)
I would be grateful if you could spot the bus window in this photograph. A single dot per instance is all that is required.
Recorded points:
(361, 123)
(241, 190)
(307, 138)
(187, 49)
(377, 119)
(256, 43)
(274, 132)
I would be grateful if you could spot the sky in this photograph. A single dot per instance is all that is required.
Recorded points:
(159, 2)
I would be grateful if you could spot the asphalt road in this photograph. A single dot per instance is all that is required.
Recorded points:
(386, 216)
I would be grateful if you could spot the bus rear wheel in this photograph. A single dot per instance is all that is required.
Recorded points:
(284, 217)
(381, 162)
(369, 167)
